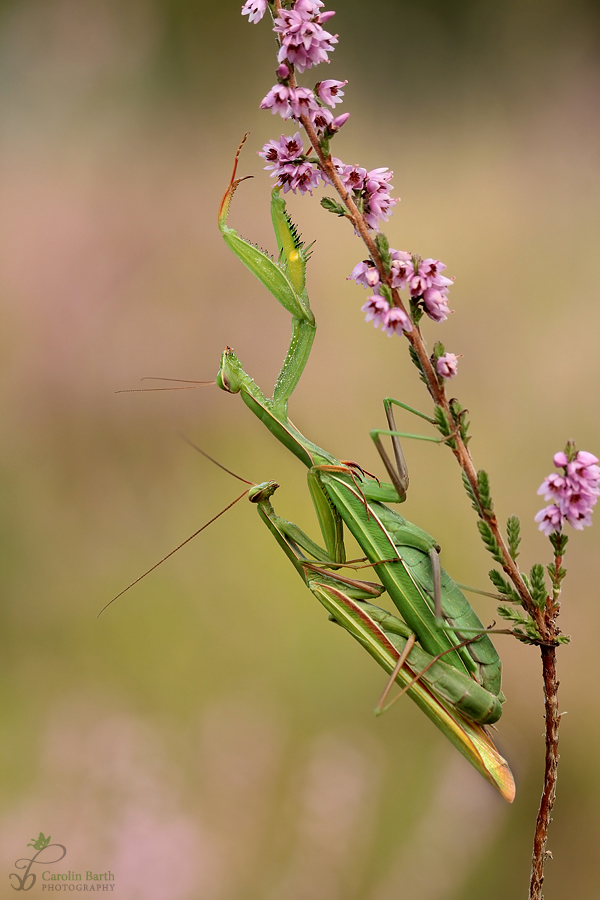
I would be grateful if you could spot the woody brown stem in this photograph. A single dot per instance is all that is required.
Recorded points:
(540, 854)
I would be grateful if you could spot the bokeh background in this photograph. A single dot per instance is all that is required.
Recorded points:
(210, 737)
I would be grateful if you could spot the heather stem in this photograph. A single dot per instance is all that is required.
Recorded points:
(540, 854)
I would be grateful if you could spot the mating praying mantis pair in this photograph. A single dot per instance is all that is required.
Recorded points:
(437, 650)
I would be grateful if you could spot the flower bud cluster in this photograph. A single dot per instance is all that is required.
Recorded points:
(392, 319)
(291, 102)
(574, 492)
(305, 43)
(287, 163)
(427, 288)
(370, 190)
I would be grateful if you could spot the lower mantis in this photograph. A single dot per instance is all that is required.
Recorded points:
(460, 689)
(451, 699)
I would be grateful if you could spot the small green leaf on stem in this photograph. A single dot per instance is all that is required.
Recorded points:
(459, 415)
(416, 312)
(438, 350)
(324, 144)
(513, 530)
(383, 248)
(525, 628)
(471, 493)
(556, 576)
(386, 292)
(417, 362)
(483, 486)
(539, 592)
(487, 536)
(504, 587)
(443, 425)
(333, 206)
(559, 542)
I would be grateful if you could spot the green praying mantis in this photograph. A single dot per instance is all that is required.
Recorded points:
(437, 650)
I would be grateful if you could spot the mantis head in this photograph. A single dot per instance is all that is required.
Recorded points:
(261, 492)
(230, 375)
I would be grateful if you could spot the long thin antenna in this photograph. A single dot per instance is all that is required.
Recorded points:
(190, 385)
(182, 380)
(179, 546)
(220, 465)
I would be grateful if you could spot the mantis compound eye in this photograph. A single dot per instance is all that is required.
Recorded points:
(222, 381)
(228, 378)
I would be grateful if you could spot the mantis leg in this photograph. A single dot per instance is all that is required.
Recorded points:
(399, 477)
(398, 474)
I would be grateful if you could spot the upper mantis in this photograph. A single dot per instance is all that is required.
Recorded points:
(460, 687)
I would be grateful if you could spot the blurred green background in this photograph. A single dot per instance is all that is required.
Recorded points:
(211, 735)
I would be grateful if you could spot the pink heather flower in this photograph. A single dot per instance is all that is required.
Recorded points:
(285, 150)
(396, 322)
(283, 72)
(554, 486)
(330, 91)
(286, 164)
(321, 118)
(428, 275)
(304, 41)
(436, 304)
(364, 273)
(578, 509)
(447, 365)
(289, 101)
(574, 492)
(378, 179)
(550, 519)
(302, 100)
(352, 177)
(278, 101)
(427, 283)
(302, 177)
(339, 121)
(254, 9)
(402, 268)
(372, 187)
(579, 519)
(308, 8)
(376, 309)
(372, 277)
(584, 469)
(378, 203)
(378, 207)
